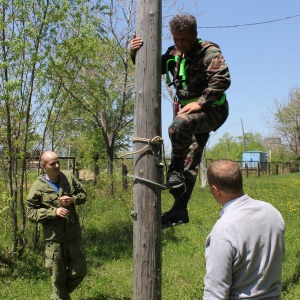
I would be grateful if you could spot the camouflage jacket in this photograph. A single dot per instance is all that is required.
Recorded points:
(207, 74)
(42, 202)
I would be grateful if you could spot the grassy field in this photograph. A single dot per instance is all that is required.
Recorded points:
(108, 243)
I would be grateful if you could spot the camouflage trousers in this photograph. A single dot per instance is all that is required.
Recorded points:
(67, 264)
(189, 134)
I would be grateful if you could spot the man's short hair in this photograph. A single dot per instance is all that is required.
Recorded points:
(226, 175)
(183, 22)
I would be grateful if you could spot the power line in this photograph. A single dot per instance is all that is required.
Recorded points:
(251, 24)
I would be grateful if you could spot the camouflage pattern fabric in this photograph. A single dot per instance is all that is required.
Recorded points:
(63, 237)
(193, 158)
(191, 165)
(188, 146)
(186, 127)
(207, 73)
(65, 276)
(42, 202)
(207, 78)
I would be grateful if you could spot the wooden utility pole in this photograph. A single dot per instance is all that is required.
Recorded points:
(147, 125)
(244, 142)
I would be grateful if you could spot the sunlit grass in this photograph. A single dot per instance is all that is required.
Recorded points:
(108, 242)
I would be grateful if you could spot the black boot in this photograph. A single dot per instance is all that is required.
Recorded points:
(175, 179)
(178, 214)
(174, 217)
(189, 182)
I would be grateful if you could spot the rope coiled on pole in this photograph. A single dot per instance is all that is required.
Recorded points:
(157, 140)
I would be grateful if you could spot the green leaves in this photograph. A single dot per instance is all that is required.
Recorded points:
(232, 147)
(287, 120)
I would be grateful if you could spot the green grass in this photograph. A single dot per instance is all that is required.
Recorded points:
(108, 239)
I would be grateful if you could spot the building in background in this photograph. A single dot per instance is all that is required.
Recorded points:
(251, 159)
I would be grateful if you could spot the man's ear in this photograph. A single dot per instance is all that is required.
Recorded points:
(215, 190)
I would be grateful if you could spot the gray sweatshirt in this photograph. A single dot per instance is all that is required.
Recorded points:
(244, 252)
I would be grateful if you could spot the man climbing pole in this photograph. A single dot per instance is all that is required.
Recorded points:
(200, 77)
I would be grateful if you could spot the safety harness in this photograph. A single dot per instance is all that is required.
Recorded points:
(180, 77)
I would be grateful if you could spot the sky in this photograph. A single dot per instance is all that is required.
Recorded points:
(263, 59)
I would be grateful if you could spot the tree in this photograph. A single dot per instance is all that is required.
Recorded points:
(26, 35)
(97, 76)
(226, 147)
(286, 120)
(30, 33)
(253, 141)
(230, 147)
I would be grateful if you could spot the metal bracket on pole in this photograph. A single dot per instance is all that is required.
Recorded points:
(149, 181)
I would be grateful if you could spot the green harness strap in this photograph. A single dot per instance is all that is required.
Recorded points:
(182, 72)
(218, 102)
(182, 68)
(176, 60)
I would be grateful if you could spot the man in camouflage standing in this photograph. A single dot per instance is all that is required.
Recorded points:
(200, 77)
(52, 201)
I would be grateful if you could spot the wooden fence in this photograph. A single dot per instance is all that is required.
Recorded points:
(125, 167)
(266, 168)
(249, 170)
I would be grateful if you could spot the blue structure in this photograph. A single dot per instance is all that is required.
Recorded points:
(253, 158)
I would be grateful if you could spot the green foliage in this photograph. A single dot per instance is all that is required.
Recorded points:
(281, 153)
(227, 147)
(108, 237)
(56, 67)
(31, 34)
(287, 120)
(5, 203)
(230, 147)
(93, 71)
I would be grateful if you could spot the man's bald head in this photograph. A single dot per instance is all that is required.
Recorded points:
(50, 163)
(48, 155)
(226, 175)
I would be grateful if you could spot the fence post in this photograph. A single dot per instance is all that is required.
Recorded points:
(124, 175)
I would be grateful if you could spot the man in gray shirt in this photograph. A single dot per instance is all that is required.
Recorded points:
(245, 249)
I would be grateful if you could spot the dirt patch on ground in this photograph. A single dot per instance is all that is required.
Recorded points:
(86, 175)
